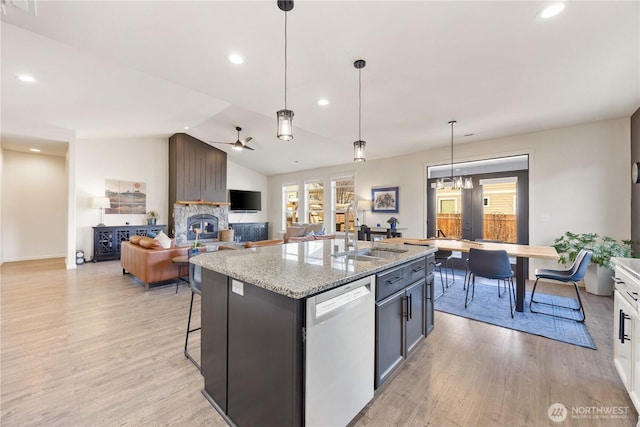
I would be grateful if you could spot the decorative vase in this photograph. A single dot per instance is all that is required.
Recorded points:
(394, 225)
(151, 221)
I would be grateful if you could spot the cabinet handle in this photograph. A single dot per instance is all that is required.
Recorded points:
(415, 270)
(409, 304)
(617, 280)
(405, 307)
(621, 333)
(392, 281)
(633, 295)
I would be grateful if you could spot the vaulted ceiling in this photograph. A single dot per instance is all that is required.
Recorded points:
(128, 69)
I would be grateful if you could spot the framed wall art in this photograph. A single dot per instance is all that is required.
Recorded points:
(384, 200)
(127, 197)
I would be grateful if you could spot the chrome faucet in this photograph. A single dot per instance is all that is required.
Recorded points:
(351, 206)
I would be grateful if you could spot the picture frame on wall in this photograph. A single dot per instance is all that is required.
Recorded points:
(384, 200)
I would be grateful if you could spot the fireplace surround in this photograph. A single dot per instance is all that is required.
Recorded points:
(209, 218)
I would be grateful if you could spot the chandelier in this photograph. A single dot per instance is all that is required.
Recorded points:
(457, 183)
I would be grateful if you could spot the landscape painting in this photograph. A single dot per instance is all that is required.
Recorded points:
(385, 200)
(127, 197)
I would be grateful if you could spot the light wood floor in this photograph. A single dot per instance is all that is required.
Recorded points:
(90, 347)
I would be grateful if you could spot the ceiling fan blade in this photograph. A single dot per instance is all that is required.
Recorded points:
(218, 142)
(245, 140)
(246, 147)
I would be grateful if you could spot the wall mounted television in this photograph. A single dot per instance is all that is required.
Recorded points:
(245, 201)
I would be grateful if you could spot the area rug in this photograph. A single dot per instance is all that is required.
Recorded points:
(487, 307)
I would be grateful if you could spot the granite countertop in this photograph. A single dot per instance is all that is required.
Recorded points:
(299, 270)
(631, 265)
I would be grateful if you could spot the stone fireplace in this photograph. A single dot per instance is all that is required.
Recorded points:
(209, 218)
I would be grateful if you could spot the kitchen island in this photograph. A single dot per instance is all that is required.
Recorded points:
(300, 334)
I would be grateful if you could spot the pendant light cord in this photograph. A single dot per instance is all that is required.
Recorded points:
(359, 104)
(285, 60)
(452, 123)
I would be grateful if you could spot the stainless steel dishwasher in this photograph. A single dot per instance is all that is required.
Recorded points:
(339, 369)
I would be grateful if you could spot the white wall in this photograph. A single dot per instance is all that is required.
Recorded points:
(144, 160)
(1, 174)
(579, 180)
(34, 206)
(241, 178)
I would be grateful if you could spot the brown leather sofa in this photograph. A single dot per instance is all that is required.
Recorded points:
(150, 265)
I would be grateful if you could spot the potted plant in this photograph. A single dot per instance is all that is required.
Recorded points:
(152, 217)
(393, 221)
(598, 278)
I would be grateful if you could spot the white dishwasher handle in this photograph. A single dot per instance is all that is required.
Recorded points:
(338, 301)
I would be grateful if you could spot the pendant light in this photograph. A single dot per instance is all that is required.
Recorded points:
(285, 116)
(457, 183)
(359, 145)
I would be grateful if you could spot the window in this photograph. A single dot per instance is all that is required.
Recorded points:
(343, 190)
(448, 206)
(290, 205)
(315, 202)
(448, 218)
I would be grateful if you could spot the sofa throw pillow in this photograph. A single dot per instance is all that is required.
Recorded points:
(135, 239)
(315, 228)
(294, 231)
(319, 233)
(149, 243)
(165, 241)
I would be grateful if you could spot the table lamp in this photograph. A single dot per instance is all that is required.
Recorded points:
(101, 203)
(364, 205)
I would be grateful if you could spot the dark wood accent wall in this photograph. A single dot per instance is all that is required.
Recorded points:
(196, 171)
(635, 188)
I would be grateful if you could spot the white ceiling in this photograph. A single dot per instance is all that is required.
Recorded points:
(121, 69)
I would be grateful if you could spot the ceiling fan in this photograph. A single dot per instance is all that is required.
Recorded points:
(240, 144)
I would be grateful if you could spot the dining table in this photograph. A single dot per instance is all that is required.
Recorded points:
(522, 253)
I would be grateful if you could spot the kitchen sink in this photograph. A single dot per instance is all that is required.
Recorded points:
(369, 254)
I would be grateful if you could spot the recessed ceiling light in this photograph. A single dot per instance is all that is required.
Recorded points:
(551, 10)
(26, 78)
(236, 59)
(323, 101)
(294, 162)
(35, 150)
(186, 128)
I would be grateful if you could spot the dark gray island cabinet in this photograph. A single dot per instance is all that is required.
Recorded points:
(294, 335)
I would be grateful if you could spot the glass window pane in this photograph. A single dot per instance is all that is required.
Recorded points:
(499, 212)
(290, 203)
(343, 194)
(449, 216)
(315, 202)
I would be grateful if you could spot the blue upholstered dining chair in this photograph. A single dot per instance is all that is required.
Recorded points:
(492, 265)
(571, 275)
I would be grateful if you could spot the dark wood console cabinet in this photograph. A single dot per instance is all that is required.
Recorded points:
(106, 240)
(250, 231)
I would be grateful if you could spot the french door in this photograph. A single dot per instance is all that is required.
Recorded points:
(496, 208)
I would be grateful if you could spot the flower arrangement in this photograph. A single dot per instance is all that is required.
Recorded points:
(393, 221)
(195, 242)
(152, 217)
